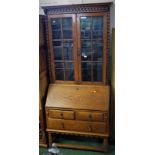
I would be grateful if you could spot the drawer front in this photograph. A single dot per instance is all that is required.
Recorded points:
(91, 116)
(55, 124)
(61, 114)
(99, 127)
(80, 126)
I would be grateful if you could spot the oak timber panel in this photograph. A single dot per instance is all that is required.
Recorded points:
(81, 126)
(61, 114)
(78, 96)
(90, 116)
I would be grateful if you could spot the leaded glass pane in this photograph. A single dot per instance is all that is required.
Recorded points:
(68, 50)
(97, 43)
(69, 74)
(69, 65)
(63, 48)
(56, 28)
(97, 34)
(85, 34)
(86, 54)
(91, 35)
(97, 23)
(86, 23)
(86, 71)
(97, 71)
(56, 23)
(85, 43)
(58, 65)
(57, 53)
(67, 28)
(59, 74)
(67, 34)
(67, 23)
(56, 34)
(97, 53)
(57, 48)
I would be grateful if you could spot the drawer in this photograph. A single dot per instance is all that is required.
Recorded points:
(98, 127)
(81, 126)
(91, 116)
(61, 114)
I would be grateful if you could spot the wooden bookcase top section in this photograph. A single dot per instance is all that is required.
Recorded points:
(77, 8)
(72, 96)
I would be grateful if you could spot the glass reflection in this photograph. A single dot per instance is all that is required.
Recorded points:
(86, 54)
(56, 23)
(86, 43)
(85, 34)
(85, 23)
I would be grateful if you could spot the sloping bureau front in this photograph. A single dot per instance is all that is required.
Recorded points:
(89, 97)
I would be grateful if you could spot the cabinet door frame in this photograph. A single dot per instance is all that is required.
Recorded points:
(77, 46)
(104, 63)
(75, 60)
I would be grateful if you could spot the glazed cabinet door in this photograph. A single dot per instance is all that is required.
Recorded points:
(78, 47)
(92, 40)
(62, 41)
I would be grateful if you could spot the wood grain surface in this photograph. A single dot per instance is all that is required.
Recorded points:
(78, 96)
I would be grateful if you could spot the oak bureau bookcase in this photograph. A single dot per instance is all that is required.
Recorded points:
(78, 95)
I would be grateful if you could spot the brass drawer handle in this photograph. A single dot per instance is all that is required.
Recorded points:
(93, 91)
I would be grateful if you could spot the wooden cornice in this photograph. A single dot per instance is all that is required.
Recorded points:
(78, 8)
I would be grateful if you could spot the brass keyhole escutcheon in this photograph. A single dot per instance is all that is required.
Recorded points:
(93, 91)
